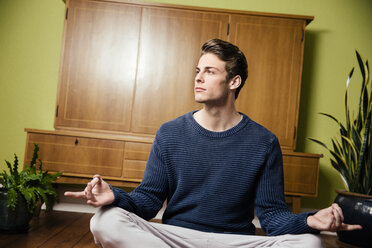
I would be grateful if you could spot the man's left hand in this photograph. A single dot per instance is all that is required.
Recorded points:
(330, 219)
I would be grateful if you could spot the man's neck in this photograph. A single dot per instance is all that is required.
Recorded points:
(217, 119)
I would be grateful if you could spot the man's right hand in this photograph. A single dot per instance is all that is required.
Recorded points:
(97, 192)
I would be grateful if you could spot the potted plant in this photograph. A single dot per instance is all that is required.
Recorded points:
(351, 156)
(20, 193)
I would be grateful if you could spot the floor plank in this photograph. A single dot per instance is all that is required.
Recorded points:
(49, 229)
(44, 228)
(71, 234)
(86, 242)
(331, 241)
(68, 229)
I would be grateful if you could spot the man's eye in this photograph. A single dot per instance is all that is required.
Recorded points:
(210, 72)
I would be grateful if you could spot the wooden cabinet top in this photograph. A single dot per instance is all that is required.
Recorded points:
(307, 18)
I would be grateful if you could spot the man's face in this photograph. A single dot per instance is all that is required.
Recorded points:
(210, 80)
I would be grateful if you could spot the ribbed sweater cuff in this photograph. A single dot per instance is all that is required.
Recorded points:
(119, 196)
(309, 229)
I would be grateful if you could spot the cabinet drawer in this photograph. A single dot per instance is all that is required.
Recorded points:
(135, 158)
(77, 155)
(301, 173)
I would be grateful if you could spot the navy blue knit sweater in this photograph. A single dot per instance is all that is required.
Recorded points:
(213, 180)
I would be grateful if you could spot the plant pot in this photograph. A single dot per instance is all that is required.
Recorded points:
(13, 221)
(357, 209)
(37, 209)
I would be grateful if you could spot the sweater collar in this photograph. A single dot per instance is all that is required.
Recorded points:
(243, 122)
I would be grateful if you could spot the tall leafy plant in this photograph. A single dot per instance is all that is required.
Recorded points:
(352, 149)
(32, 184)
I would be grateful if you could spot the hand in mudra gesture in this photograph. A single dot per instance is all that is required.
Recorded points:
(97, 192)
(330, 219)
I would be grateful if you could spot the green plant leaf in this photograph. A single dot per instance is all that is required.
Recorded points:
(343, 130)
(341, 169)
(351, 147)
(331, 116)
(319, 142)
(361, 161)
(40, 165)
(367, 72)
(31, 197)
(29, 183)
(35, 155)
(42, 195)
(347, 112)
(12, 199)
(361, 65)
(368, 184)
(356, 138)
(9, 166)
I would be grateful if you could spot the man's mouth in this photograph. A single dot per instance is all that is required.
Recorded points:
(199, 89)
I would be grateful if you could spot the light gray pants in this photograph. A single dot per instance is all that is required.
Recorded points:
(115, 227)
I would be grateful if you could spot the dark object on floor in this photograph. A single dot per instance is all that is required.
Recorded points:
(13, 221)
(357, 210)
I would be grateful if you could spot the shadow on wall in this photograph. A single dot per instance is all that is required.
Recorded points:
(329, 180)
(307, 93)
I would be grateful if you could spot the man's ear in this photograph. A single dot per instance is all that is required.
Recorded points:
(235, 82)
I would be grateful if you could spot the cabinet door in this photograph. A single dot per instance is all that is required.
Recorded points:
(169, 51)
(98, 66)
(273, 47)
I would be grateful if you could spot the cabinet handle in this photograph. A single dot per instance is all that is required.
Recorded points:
(76, 141)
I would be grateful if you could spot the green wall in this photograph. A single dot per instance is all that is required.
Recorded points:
(30, 44)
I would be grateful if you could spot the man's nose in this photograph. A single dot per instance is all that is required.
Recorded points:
(198, 78)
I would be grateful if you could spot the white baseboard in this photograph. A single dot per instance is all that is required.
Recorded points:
(73, 207)
(328, 233)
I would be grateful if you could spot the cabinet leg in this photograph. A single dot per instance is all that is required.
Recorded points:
(296, 205)
(295, 201)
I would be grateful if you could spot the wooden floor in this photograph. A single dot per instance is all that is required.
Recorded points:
(68, 229)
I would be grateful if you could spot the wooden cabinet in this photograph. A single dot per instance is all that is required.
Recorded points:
(128, 67)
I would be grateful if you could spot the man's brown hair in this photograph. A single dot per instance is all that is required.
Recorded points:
(236, 63)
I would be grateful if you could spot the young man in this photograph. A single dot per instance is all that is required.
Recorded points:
(213, 166)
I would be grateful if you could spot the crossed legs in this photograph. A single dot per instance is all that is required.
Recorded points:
(115, 227)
